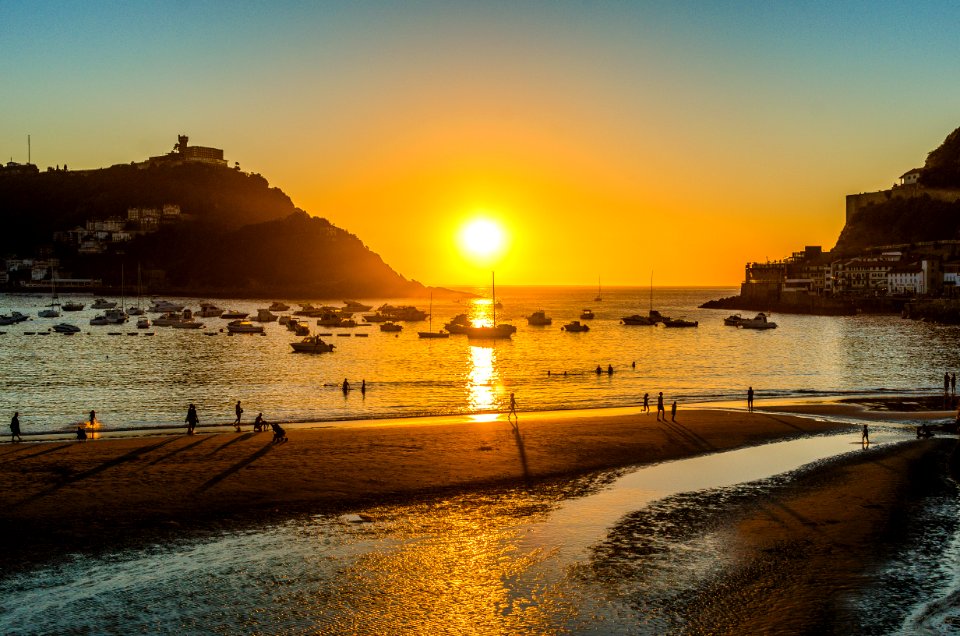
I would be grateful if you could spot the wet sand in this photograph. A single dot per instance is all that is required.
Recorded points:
(825, 530)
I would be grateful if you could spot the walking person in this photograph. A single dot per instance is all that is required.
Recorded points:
(363, 388)
(750, 399)
(660, 408)
(646, 403)
(15, 428)
(865, 436)
(93, 418)
(239, 412)
(192, 420)
(345, 387)
(513, 410)
(946, 383)
(673, 411)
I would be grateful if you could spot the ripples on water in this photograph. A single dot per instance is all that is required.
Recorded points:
(614, 553)
(142, 381)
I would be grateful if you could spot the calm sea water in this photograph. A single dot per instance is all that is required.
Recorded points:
(144, 382)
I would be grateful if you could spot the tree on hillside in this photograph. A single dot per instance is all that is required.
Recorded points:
(942, 169)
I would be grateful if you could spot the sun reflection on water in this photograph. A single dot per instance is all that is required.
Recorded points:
(482, 379)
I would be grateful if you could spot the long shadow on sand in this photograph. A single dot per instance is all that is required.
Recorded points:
(41, 452)
(233, 441)
(689, 436)
(116, 461)
(213, 481)
(178, 450)
(518, 438)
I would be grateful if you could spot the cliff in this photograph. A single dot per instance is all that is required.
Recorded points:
(236, 234)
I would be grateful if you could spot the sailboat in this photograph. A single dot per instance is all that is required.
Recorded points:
(599, 297)
(54, 311)
(431, 333)
(496, 332)
(652, 318)
(138, 310)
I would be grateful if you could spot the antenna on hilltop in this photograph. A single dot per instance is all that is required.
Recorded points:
(28, 151)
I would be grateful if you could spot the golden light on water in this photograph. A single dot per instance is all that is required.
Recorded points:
(482, 379)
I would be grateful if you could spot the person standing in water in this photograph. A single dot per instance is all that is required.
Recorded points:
(239, 412)
(865, 436)
(363, 387)
(15, 428)
(345, 387)
(750, 399)
(646, 403)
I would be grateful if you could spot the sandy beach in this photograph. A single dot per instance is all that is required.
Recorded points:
(93, 495)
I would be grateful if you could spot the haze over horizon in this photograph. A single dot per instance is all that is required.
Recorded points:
(607, 140)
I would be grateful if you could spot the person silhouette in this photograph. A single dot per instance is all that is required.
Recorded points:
(363, 387)
(750, 399)
(192, 420)
(239, 411)
(865, 436)
(609, 369)
(646, 403)
(15, 428)
(513, 409)
(345, 386)
(660, 408)
(673, 412)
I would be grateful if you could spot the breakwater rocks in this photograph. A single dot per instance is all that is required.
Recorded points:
(943, 311)
(813, 305)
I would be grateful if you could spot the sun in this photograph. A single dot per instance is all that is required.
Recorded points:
(482, 238)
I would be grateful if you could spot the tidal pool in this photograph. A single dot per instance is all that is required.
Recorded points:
(586, 556)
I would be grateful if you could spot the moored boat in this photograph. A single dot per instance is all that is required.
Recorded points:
(680, 322)
(278, 306)
(652, 318)
(209, 310)
(587, 314)
(575, 326)
(458, 324)
(244, 326)
(72, 305)
(103, 303)
(732, 321)
(760, 321)
(391, 327)
(539, 319)
(311, 344)
(264, 315)
(233, 314)
(353, 307)
(66, 328)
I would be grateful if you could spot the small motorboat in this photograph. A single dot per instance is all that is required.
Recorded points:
(390, 327)
(652, 318)
(72, 305)
(209, 310)
(575, 327)
(103, 303)
(539, 319)
(233, 314)
(278, 306)
(164, 307)
(13, 318)
(495, 332)
(244, 326)
(732, 321)
(143, 323)
(758, 322)
(680, 322)
(587, 314)
(353, 307)
(311, 344)
(459, 324)
(66, 328)
(264, 315)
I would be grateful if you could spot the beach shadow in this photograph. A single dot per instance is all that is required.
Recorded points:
(233, 441)
(688, 435)
(786, 423)
(74, 478)
(213, 481)
(178, 450)
(518, 438)
(773, 505)
(41, 452)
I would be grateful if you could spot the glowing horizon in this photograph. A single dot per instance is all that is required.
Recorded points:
(610, 140)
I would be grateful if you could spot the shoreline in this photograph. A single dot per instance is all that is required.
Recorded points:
(856, 406)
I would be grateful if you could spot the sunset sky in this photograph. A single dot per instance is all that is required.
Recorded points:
(608, 139)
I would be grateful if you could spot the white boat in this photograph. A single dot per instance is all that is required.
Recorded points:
(353, 307)
(758, 322)
(209, 310)
(66, 328)
(311, 344)
(103, 303)
(72, 305)
(539, 319)
(163, 307)
(110, 317)
(575, 326)
(168, 319)
(233, 314)
(495, 331)
(244, 326)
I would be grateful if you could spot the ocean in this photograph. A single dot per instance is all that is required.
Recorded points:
(138, 382)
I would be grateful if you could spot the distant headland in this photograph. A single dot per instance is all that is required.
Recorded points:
(899, 251)
(190, 223)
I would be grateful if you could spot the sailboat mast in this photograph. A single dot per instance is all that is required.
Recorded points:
(122, 303)
(493, 286)
(651, 290)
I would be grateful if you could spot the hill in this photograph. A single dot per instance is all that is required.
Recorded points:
(233, 234)
(928, 210)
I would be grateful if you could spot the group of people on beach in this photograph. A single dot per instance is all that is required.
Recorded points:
(259, 424)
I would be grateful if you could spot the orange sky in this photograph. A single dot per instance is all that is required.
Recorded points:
(610, 140)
